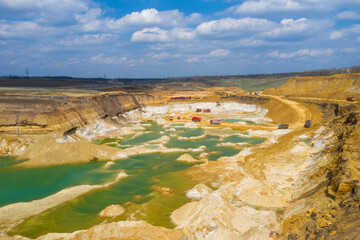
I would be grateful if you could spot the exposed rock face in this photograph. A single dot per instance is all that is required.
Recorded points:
(112, 211)
(187, 158)
(39, 114)
(335, 205)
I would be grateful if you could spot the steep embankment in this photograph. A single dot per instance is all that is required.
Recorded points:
(337, 86)
(332, 210)
(24, 114)
(42, 129)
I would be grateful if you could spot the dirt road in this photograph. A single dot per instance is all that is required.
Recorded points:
(303, 113)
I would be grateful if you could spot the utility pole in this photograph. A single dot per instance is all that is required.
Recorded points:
(27, 72)
(104, 76)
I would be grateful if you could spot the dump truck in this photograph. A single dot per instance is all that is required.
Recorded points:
(215, 122)
(206, 110)
(350, 99)
(283, 126)
(196, 119)
(171, 118)
(307, 123)
(178, 116)
(198, 110)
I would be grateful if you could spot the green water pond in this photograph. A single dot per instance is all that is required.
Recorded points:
(135, 192)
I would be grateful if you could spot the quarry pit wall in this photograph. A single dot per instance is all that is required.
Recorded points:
(40, 115)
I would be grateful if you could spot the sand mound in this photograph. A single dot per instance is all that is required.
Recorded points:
(198, 192)
(187, 158)
(112, 211)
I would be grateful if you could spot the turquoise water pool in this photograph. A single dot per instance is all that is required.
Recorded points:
(135, 192)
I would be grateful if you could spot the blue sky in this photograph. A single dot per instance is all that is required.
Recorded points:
(159, 38)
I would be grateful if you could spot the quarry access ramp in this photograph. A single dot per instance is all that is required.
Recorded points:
(303, 113)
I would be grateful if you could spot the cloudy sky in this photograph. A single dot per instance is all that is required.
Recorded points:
(163, 38)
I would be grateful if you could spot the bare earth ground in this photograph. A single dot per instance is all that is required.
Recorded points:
(283, 189)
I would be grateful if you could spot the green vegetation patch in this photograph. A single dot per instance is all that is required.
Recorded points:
(105, 140)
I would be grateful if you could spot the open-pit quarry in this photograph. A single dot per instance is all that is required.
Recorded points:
(133, 165)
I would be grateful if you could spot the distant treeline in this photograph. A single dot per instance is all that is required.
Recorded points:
(317, 72)
(246, 82)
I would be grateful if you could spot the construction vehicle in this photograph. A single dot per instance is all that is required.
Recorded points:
(350, 99)
(206, 110)
(198, 110)
(171, 118)
(215, 122)
(307, 123)
(196, 119)
(283, 126)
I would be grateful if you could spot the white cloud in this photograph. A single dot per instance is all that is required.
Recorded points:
(354, 29)
(300, 26)
(161, 56)
(255, 7)
(90, 20)
(253, 30)
(273, 54)
(166, 56)
(153, 17)
(302, 53)
(150, 35)
(49, 12)
(262, 6)
(348, 15)
(192, 59)
(20, 29)
(159, 35)
(108, 60)
(219, 53)
(260, 27)
(87, 39)
(234, 26)
(115, 60)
